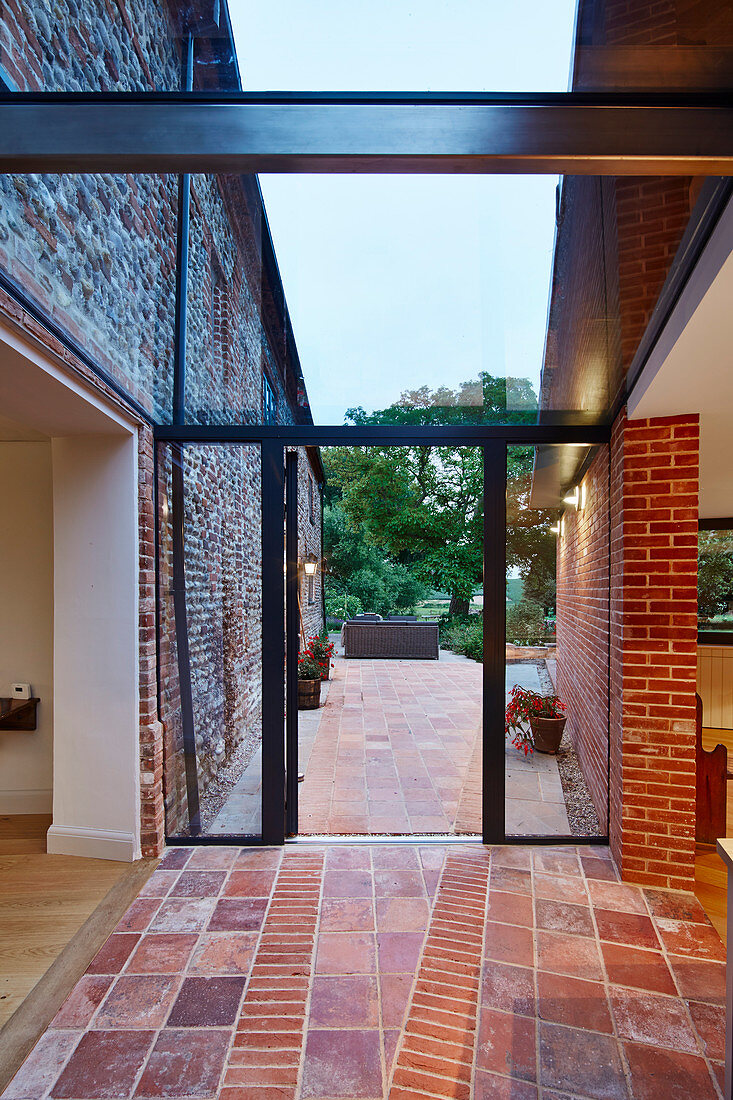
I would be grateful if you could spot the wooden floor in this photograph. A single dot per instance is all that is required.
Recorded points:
(710, 876)
(44, 901)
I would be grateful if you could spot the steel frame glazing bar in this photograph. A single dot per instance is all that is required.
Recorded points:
(494, 625)
(393, 435)
(571, 133)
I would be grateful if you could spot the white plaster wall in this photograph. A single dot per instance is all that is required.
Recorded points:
(26, 620)
(96, 761)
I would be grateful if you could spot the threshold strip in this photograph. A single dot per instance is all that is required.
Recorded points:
(266, 1056)
(437, 1052)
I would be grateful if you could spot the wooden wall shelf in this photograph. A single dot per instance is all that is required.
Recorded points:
(18, 714)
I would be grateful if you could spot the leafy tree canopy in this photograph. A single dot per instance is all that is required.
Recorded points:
(714, 572)
(423, 506)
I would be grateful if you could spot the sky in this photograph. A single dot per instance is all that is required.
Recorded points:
(395, 282)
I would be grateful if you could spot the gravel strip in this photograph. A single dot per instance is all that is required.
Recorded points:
(578, 802)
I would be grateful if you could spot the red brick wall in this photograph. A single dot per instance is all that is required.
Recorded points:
(582, 629)
(654, 487)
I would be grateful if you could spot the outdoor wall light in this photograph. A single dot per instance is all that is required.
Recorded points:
(310, 566)
(573, 498)
(557, 529)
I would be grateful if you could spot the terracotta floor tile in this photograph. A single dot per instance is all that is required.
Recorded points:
(207, 1002)
(556, 862)
(198, 884)
(344, 858)
(211, 857)
(398, 952)
(402, 914)
(104, 1065)
(615, 895)
(258, 859)
(347, 884)
(508, 943)
(138, 1000)
(176, 858)
(506, 1044)
(577, 956)
(510, 855)
(709, 1020)
(508, 988)
(675, 905)
(699, 979)
(139, 915)
(568, 888)
(395, 992)
(488, 1086)
(238, 915)
(249, 884)
(224, 953)
(344, 1002)
(184, 1063)
(698, 941)
(400, 856)
(514, 879)
(342, 1064)
(113, 954)
(667, 1074)
(398, 884)
(347, 915)
(391, 1042)
(346, 953)
(83, 1001)
(557, 916)
(510, 908)
(629, 928)
(573, 1002)
(42, 1066)
(581, 1062)
(162, 953)
(652, 1018)
(159, 884)
(636, 968)
(183, 915)
(599, 868)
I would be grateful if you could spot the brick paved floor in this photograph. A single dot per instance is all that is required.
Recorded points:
(367, 972)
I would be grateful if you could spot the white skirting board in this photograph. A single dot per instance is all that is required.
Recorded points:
(76, 840)
(715, 685)
(26, 802)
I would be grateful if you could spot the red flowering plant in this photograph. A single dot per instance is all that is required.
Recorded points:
(523, 705)
(321, 650)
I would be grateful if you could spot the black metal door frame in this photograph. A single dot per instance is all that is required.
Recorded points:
(279, 512)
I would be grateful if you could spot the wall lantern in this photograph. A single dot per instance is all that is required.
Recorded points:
(573, 498)
(310, 566)
(557, 529)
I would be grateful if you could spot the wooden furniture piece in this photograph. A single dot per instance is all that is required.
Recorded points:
(18, 714)
(725, 850)
(711, 794)
(395, 640)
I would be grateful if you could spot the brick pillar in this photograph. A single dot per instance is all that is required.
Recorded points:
(654, 487)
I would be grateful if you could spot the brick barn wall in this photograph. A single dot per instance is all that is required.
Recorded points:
(654, 499)
(309, 542)
(582, 629)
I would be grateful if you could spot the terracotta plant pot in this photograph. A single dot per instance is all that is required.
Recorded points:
(309, 694)
(547, 733)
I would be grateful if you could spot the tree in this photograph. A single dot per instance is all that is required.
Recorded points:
(424, 505)
(714, 572)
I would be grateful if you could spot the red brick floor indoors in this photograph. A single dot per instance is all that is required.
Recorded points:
(401, 971)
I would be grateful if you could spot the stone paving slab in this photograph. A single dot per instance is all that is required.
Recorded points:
(367, 972)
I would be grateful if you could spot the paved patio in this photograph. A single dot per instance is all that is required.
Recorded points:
(397, 749)
(400, 971)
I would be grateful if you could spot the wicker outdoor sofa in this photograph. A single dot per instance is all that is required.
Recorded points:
(372, 638)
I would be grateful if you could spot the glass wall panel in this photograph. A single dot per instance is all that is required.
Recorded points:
(210, 597)
(396, 744)
(557, 641)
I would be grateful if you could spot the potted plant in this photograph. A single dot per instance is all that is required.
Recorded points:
(321, 650)
(535, 721)
(309, 682)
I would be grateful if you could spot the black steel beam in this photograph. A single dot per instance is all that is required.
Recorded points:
(572, 133)
(273, 644)
(389, 435)
(494, 665)
(292, 634)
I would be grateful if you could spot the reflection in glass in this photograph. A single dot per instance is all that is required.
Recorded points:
(715, 580)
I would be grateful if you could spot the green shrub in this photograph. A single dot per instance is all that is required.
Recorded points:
(525, 623)
(463, 634)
